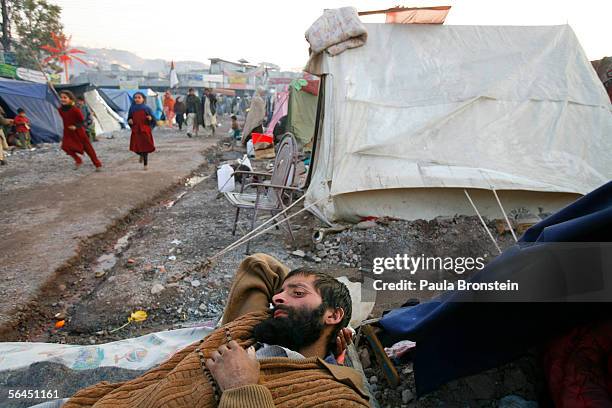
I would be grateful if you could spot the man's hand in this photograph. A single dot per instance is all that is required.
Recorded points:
(344, 338)
(233, 367)
(72, 127)
(149, 118)
(130, 121)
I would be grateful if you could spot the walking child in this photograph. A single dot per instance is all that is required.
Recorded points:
(90, 126)
(75, 141)
(142, 121)
(235, 128)
(22, 127)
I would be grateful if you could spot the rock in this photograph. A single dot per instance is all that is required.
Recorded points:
(60, 316)
(175, 277)
(202, 307)
(61, 287)
(195, 283)
(317, 259)
(364, 356)
(172, 258)
(157, 288)
(320, 247)
(299, 253)
(147, 267)
(407, 396)
(373, 379)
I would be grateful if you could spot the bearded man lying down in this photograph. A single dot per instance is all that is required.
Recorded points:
(258, 358)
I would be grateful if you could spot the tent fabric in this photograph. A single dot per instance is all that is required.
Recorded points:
(301, 115)
(476, 107)
(281, 103)
(422, 15)
(40, 104)
(106, 120)
(123, 99)
(456, 338)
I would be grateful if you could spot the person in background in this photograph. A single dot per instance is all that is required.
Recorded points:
(235, 128)
(169, 108)
(22, 127)
(179, 112)
(75, 140)
(3, 144)
(255, 117)
(194, 112)
(209, 108)
(142, 121)
(90, 126)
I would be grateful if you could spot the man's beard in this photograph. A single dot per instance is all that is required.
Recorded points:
(300, 328)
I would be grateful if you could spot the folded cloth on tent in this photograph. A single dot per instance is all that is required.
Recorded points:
(336, 31)
(457, 337)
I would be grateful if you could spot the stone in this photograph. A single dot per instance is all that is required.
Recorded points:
(299, 253)
(364, 356)
(407, 396)
(202, 307)
(320, 247)
(157, 288)
(373, 379)
(195, 283)
(61, 287)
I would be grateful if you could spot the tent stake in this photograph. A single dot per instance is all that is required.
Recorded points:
(482, 221)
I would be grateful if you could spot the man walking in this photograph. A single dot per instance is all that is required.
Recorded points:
(194, 112)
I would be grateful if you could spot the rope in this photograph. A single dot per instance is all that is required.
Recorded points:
(482, 221)
(504, 212)
(254, 230)
(250, 236)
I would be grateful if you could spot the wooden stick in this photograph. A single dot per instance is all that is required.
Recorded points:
(396, 9)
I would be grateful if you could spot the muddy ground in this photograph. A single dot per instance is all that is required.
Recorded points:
(153, 258)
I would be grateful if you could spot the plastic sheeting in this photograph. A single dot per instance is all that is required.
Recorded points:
(140, 353)
(439, 107)
(123, 99)
(40, 104)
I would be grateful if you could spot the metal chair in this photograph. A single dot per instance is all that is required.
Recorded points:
(275, 194)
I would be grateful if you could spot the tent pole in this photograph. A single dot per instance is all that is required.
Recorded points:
(482, 220)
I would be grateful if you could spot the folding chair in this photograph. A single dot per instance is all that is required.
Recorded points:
(275, 194)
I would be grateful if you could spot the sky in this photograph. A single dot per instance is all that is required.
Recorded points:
(273, 30)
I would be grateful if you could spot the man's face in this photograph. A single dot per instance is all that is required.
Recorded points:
(298, 318)
(298, 292)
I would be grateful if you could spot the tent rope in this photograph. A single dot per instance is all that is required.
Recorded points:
(482, 220)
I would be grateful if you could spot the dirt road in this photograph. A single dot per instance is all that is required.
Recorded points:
(48, 208)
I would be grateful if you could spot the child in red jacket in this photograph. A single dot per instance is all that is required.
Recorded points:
(75, 140)
(22, 127)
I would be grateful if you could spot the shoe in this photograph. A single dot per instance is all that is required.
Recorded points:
(98, 169)
(188, 134)
(145, 168)
(2, 162)
(139, 159)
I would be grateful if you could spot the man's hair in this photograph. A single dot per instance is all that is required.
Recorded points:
(191, 90)
(81, 98)
(234, 117)
(334, 294)
(20, 110)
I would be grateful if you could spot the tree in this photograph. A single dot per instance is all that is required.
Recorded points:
(6, 10)
(34, 22)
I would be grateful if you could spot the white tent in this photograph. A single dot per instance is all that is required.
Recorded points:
(422, 112)
(106, 120)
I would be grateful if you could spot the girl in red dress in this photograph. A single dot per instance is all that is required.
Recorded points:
(75, 140)
(142, 121)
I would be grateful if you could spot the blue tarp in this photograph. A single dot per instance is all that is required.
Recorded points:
(562, 255)
(40, 104)
(123, 99)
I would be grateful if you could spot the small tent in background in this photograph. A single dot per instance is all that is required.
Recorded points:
(105, 118)
(40, 104)
(450, 109)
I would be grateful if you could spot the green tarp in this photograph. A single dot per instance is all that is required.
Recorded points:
(301, 116)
